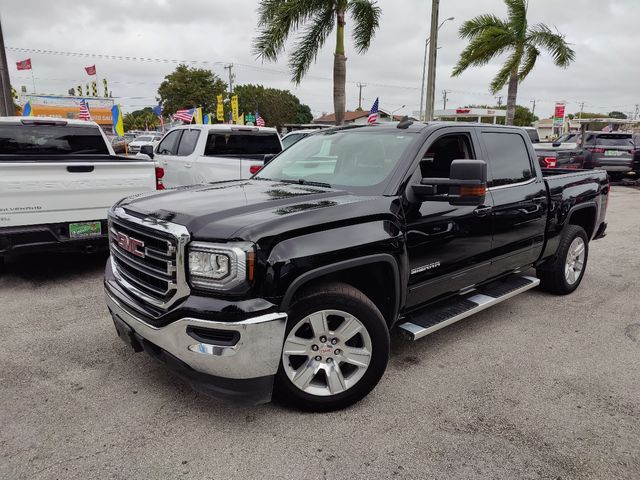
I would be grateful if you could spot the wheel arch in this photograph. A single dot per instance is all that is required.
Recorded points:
(585, 216)
(367, 274)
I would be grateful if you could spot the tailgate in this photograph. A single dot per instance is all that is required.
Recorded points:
(33, 193)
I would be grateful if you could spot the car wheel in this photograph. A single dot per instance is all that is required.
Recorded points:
(335, 350)
(565, 272)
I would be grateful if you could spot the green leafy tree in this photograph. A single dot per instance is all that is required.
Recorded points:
(278, 19)
(188, 87)
(490, 36)
(143, 119)
(276, 106)
(616, 114)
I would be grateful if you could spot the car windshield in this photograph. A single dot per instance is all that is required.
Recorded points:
(51, 140)
(357, 161)
(567, 137)
(144, 138)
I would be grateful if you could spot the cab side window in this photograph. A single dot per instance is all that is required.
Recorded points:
(169, 146)
(436, 162)
(508, 160)
(188, 142)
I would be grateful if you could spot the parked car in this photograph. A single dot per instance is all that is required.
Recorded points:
(534, 136)
(294, 137)
(193, 154)
(151, 139)
(612, 152)
(58, 178)
(289, 281)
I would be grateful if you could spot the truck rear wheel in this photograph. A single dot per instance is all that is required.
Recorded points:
(565, 272)
(335, 350)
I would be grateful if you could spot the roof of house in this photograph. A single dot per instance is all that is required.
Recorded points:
(352, 116)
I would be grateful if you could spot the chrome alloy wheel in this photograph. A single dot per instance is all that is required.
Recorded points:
(327, 352)
(575, 261)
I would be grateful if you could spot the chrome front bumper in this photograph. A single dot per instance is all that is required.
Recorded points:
(256, 354)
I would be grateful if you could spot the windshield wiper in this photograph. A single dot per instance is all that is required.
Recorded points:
(302, 181)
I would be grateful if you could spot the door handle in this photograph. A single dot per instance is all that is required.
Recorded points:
(482, 211)
(80, 168)
(538, 199)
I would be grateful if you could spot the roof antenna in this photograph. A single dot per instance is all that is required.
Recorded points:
(405, 122)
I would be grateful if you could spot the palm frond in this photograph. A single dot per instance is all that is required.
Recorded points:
(311, 41)
(541, 36)
(474, 27)
(481, 50)
(501, 79)
(366, 17)
(518, 16)
(277, 19)
(528, 61)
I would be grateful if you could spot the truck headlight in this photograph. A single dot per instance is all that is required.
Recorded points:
(219, 266)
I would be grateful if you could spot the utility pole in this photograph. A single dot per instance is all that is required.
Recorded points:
(533, 109)
(499, 101)
(581, 109)
(433, 51)
(360, 87)
(232, 77)
(637, 111)
(444, 98)
(6, 98)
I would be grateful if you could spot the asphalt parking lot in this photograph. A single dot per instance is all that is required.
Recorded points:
(537, 387)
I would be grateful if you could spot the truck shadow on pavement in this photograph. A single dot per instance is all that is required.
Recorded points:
(40, 267)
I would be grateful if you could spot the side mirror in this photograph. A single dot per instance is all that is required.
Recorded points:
(147, 150)
(467, 184)
(556, 144)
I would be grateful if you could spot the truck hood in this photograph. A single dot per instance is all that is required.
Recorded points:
(253, 209)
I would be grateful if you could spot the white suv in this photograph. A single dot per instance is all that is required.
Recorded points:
(192, 154)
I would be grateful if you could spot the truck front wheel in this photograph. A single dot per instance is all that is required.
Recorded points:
(565, 272)
(335, 350)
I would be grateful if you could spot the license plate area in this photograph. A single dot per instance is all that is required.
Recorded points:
(85, 230)
(612, 153)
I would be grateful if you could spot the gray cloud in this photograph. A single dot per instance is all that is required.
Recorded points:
(604, 35)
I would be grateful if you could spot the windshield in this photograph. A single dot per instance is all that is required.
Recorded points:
(51, 140)
(567, 137)
(350, 159)
(144, 139)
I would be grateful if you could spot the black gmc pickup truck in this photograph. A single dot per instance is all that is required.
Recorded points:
(289, 282)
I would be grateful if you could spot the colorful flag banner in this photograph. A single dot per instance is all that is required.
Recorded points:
(118, 125)
(220, 109)
(234, 108)
(241, 119)
(84, 110)
(26, 110)
(24, 64)
(185, 114)
(259, 120)
(197, 116)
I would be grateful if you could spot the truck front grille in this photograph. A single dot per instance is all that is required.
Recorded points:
(147, 256)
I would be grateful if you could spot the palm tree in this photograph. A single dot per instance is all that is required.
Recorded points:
(278, 19)
(490, 36)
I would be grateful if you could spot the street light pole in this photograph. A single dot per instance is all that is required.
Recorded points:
(394, 111)
(424, 63)
(433, 51)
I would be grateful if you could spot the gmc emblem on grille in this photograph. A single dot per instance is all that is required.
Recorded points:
(130, 244)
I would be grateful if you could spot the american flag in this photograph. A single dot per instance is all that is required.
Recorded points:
(373, 113)
(186, 115)
(84, 111)
(24, 64)
(259, 120)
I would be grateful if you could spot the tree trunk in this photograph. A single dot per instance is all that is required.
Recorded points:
(511, 98)
(339, 71)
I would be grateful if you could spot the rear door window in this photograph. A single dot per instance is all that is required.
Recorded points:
(188, 142)
(51, 140)
(169, 146)
(238, 143)
(508, 160)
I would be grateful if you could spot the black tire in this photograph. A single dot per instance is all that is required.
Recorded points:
(552, 274)
(336, 296)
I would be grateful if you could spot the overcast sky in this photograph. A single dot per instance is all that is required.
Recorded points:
(604, 34)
